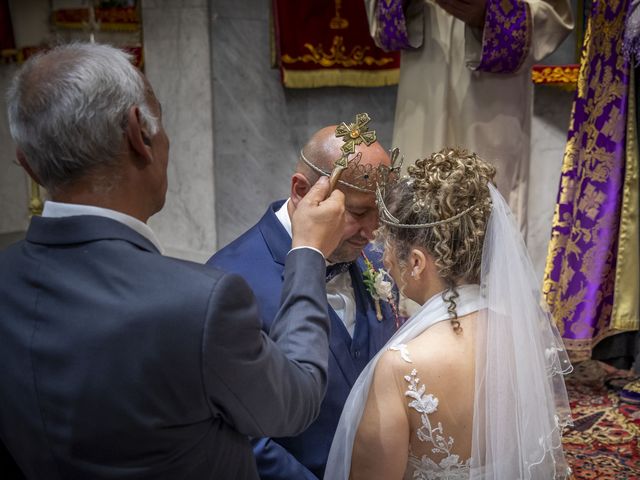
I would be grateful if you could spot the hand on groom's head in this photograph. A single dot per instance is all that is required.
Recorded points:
(318, 220)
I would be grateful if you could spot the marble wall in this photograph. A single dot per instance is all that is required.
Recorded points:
(14, 184)
(259, 127)
(30, 19)
(177, 63)
(551, 112)
(178, 56)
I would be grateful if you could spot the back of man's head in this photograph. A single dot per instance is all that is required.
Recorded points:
(68, 109)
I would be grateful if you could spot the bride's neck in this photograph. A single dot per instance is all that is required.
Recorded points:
(431, 284)
(428, 286)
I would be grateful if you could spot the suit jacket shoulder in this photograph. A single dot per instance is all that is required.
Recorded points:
(258, 256)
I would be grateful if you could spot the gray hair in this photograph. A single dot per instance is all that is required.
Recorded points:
(68, 109)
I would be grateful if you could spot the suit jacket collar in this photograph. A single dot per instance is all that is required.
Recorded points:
(82, 229)
(275, 236)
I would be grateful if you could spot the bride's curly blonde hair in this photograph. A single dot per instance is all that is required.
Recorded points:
(438, 188)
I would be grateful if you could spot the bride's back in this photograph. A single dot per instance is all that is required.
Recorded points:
(422, 396)
(436, 373)
(418, 417)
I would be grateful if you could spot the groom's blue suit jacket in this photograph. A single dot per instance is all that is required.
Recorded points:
(258, 256)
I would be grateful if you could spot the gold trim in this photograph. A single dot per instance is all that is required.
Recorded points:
(337, 55)
(625, 314)
(337, 22)
(35, 202)
(580, 349)
(338, 77)
(558, 74)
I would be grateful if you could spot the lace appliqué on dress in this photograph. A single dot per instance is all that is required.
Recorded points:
(404, 352)
(424, 468)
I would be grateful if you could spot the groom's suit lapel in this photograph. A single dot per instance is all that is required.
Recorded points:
(279, 243)
(275, 236)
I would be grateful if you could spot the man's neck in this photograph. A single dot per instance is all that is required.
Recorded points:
(113, 201)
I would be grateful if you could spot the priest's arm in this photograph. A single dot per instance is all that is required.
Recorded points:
(509, 36)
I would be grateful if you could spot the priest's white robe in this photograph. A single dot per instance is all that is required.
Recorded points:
(445, 99)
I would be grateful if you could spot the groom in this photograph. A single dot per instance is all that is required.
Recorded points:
(356, 331)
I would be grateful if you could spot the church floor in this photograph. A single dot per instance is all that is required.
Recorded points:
(604, 442)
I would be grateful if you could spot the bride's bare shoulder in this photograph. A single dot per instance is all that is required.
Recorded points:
(442, 345)
(392, 361)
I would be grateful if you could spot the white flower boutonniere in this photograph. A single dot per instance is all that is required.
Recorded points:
(379, 285)
(383, 287)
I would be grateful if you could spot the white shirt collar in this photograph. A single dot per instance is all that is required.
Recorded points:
(340, 293)
(57, 209)
(283, 216)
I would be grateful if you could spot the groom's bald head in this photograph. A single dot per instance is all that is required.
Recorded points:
(324, 148)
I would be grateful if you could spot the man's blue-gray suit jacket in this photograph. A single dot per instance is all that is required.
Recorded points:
(119, 363)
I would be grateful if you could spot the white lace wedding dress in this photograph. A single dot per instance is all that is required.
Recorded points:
(434, 374)
(439, 460)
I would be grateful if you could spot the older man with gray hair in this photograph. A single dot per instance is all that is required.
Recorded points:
(118, 362)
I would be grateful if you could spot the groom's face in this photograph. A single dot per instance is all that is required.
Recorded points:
(361, 211)
(361, 221)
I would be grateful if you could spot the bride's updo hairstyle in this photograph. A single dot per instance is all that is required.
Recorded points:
(443, 206)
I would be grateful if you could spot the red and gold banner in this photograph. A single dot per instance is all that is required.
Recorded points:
(117, 18)
(7, 41)
(326, 43)
(21, 55)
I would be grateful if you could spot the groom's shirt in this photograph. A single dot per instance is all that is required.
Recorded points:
(340, 294)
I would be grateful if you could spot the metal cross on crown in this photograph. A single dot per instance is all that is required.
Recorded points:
(355, 133)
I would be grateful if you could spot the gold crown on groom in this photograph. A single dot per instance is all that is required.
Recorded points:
(362, 177)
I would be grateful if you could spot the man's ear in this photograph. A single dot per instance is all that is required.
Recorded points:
(22, 160)
(300, 186)
(137, 135)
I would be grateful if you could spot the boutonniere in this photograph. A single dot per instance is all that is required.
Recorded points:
(379, 285)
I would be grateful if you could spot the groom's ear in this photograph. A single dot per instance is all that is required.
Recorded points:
(300, 186)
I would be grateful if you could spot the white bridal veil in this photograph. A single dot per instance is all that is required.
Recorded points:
(521, 402)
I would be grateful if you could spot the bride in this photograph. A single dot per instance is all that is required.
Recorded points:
(471, 386)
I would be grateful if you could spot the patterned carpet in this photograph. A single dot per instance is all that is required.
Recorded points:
(604, 443)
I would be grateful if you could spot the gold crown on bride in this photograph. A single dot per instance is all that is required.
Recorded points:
(362, 177)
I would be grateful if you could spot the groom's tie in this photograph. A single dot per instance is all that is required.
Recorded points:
(336, 269)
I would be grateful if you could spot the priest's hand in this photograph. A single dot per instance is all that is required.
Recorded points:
(471, 12)
(318, 220)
